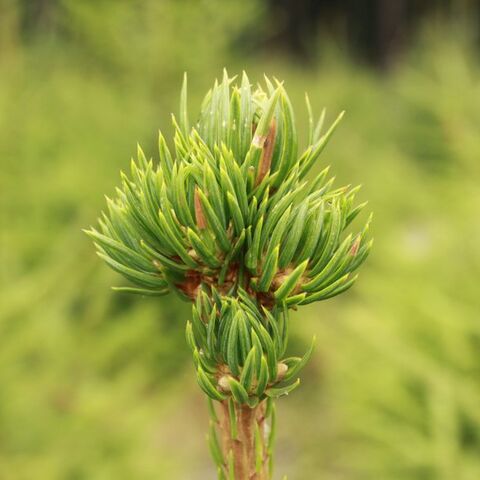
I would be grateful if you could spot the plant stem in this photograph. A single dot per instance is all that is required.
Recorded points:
(244, 440)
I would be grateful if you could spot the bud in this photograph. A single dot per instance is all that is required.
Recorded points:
(281, 371)
(223, 383)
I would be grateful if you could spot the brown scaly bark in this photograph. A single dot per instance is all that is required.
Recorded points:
(242, 445)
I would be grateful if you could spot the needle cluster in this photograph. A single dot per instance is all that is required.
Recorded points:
(227, 219)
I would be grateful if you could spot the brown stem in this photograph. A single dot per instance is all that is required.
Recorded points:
(243, 446)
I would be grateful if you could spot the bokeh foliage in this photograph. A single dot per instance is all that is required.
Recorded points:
(393, 389)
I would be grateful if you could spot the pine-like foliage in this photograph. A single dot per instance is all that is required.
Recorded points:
(228, 221)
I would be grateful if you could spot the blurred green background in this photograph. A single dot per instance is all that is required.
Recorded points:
(96, 385)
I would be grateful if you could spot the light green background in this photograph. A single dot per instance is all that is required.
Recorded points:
(96, 385)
